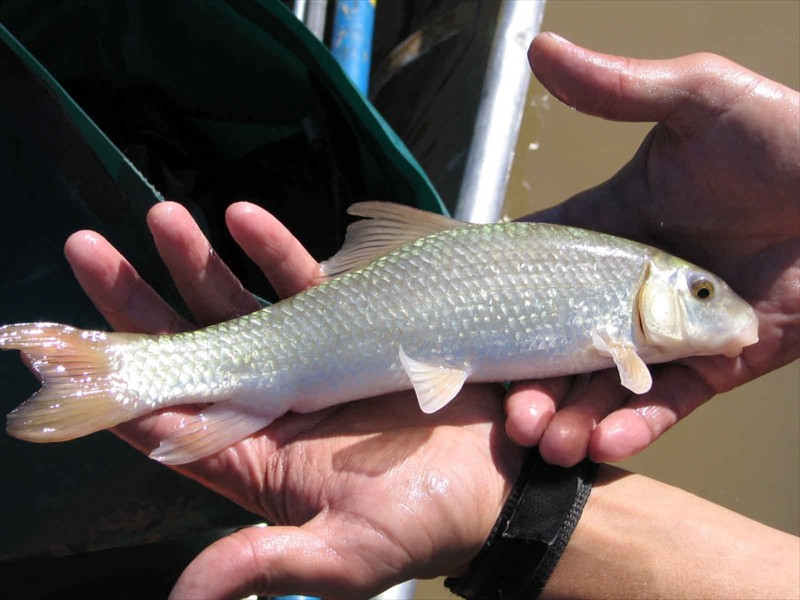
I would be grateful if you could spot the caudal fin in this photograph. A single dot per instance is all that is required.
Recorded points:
(81, 391)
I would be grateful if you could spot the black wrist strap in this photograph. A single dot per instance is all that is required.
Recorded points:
(530, 534)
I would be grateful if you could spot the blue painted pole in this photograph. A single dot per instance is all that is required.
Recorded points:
(351, 42)
(351, 46)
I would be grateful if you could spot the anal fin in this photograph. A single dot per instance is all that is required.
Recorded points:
(217, 427)
(633, 371)
(434, 385)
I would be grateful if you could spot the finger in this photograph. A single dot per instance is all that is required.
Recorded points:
(673, 91)
(266, 561)
(115, 288)
(210, 290)
(282, 258)
(130, 305)
(530, 405)
(565, 441)
(677, 391)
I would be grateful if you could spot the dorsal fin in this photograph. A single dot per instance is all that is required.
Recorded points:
(387, 227)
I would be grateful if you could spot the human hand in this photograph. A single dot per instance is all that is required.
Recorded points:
(717, 182)
(365, 494)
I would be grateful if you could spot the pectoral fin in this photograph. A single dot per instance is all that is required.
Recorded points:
(434, 385)
(633, 371)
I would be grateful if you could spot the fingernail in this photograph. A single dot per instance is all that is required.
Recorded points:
(558, 38)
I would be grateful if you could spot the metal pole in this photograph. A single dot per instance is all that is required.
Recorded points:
(299, 9)
(402, 591)
(500, 112)
(316, 13)
(351, 42)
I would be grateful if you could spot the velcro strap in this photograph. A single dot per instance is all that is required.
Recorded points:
(530, 534)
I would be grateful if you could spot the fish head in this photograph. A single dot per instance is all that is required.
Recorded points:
(685, 310)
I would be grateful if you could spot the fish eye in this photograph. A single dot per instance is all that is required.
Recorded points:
(702, 289)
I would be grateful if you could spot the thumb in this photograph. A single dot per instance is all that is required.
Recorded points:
(675, 91)
(266, 561)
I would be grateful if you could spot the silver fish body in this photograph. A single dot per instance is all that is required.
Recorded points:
(495, 302)
(505, 301)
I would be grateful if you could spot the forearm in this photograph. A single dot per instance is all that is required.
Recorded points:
(639, 538)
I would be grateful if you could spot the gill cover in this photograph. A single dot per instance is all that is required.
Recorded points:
(661, 306)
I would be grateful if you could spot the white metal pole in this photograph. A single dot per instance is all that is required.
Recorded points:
(316, 14)
(502, 102)
(299, 9)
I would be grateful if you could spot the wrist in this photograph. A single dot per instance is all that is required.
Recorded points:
(489, 503)
(530, 534)
(639, 537)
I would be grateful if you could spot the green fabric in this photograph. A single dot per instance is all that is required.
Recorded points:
(240, 76)
(113, 160)
(244, 70)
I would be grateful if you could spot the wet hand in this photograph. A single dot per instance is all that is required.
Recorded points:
(363, 495)
(717, 182)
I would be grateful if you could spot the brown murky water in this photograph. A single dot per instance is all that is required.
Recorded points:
(742, 449)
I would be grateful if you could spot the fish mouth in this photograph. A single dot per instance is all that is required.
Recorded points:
(746, 337)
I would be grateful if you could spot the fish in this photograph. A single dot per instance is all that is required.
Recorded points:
(413, 300)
